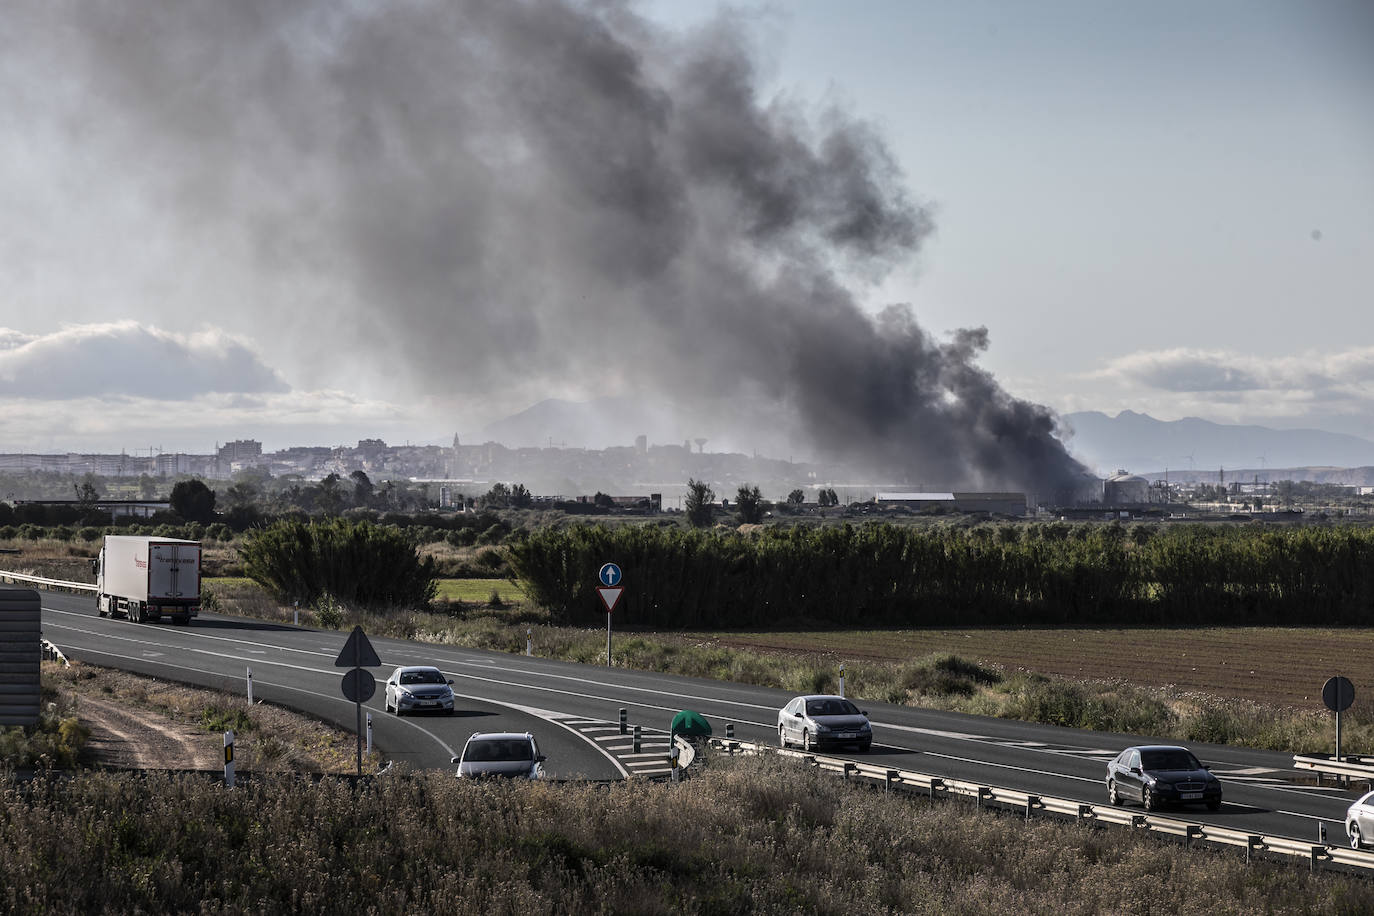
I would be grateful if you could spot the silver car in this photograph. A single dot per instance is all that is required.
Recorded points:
(418, 688)
(509, 754)
(1359, 821)
(821, 720)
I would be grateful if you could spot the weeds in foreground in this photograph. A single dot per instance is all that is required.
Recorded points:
(743, 835)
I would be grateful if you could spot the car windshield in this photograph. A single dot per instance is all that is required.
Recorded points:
(498, 749)
(1169, 760)
(833, 707)
(421, 677)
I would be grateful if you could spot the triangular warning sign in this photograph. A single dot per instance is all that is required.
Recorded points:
(357, 652)
(609, 596)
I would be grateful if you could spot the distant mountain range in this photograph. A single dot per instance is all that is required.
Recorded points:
(1143, 445)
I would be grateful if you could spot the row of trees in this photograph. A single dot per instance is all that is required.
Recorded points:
(750, 506)
(880, 574)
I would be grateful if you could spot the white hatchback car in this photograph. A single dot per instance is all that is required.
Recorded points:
(418, 688)
(1359, 821)
(509, 754)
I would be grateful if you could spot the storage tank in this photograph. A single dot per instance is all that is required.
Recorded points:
(1125, 489)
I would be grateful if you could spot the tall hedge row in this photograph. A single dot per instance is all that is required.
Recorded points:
(879, 574)
(357, 563)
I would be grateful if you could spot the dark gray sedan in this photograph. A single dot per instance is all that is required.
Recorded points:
(1156, 775)
(821, 720)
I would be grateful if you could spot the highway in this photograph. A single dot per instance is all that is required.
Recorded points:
(573, 709)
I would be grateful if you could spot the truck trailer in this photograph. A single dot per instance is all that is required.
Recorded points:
(147, 578)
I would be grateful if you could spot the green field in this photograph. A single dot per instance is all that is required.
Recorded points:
(469, 591)
(478, 591)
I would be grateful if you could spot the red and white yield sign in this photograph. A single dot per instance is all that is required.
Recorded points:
(609, 596)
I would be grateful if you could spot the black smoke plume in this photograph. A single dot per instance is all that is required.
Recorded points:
(510, 196)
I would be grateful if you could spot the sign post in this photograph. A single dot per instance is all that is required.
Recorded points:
(610, 592)
(358, 685)
(1338, 693)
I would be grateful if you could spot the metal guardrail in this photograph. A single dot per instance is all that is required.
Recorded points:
(1350, 765)
(53, 654)
(47, 583)
(1316, 855)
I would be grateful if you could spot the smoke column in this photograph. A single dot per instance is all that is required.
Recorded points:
(491, 195)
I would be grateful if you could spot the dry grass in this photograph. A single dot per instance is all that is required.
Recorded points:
(742, 836)
(267, 738)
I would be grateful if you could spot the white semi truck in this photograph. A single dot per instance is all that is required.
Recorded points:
(146, 578)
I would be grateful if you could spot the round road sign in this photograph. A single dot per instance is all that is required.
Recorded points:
(609, 575)
(1338, 693)
(359, 685)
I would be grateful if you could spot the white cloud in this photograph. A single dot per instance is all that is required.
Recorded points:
(197, 424)
(129, 359)
(126, 386)
(1333, 390)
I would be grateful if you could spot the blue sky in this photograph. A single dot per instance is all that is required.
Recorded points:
(1166, 207)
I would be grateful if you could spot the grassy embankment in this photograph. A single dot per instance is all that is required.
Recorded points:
(742, 836)
(268, 739)
(1233, 686)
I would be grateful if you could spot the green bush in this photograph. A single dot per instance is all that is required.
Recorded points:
(946, 675)
(328, 612)
(359, 564)
(216, 718)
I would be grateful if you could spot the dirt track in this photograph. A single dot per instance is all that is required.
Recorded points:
(126, 737)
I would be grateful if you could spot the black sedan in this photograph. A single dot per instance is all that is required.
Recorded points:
(1157, 775)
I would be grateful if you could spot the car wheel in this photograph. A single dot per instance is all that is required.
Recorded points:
(806, 740)
(1214, 804)
(1150, 800)
(1355, 841)
(1113, 796)
(782, 737)
(863, 748)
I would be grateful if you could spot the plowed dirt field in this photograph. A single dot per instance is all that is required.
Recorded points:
(1265, 664)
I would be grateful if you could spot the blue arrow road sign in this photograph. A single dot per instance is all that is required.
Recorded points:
(609, 575)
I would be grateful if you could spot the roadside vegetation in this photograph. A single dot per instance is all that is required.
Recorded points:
(267, 738)
(741, 836)
(56, 741)
(993, 574)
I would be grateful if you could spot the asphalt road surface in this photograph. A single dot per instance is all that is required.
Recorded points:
(573, 711)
